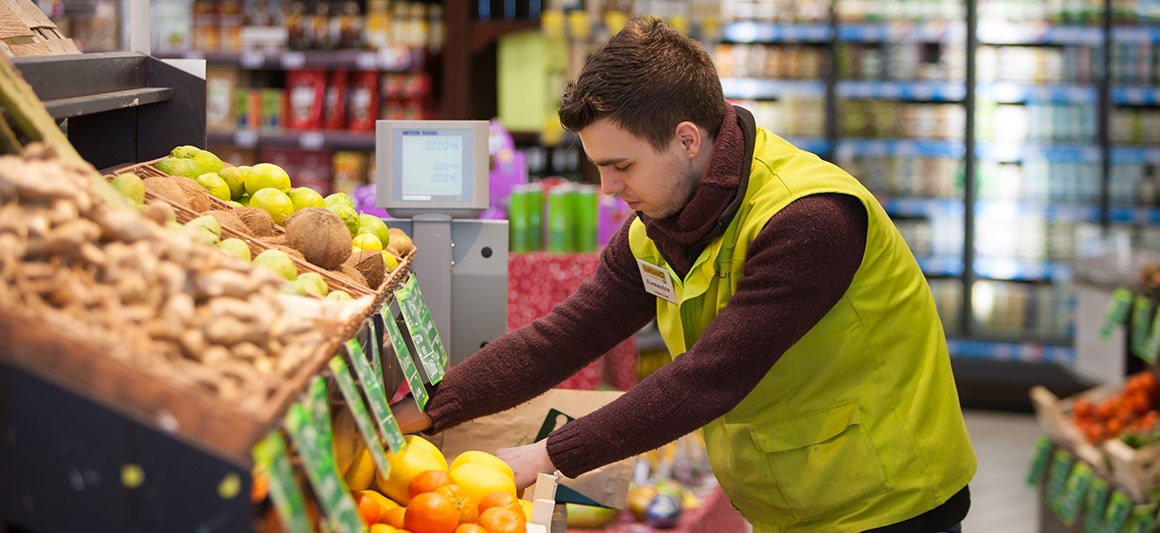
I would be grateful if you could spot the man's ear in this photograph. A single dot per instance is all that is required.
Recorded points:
(690, 136)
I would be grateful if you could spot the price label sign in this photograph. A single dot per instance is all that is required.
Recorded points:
(373, 388)
(376, 349)
(1118, 511)
(1142, 309)
(270, 455)
(362, 418)
(318, 461)
(1039, 458)
(1152, 343)
(403, 354)
(1057, 477)
(1097, 501)
(1074, 491)
(1117, 311)
(423, 335)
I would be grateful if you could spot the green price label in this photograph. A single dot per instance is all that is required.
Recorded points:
(1116, 313)
(1117, 513)
(422, 328)
(319, 404)
(1074, 491)
(373, 388)
(362, 418)
(1097, 500)
(376, 356)
(1142, 521)
(318, 461)
(270, 455)
(1039, 458)
(1141, 320)
(403, 354)
(1057, 477)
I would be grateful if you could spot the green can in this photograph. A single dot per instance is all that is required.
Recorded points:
(561, 219)
(525, 209)
(536, 215)
(586, 218)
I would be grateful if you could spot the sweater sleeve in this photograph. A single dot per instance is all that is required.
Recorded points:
(607, 308)
(798, 267)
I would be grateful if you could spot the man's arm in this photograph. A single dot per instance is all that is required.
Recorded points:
(798, 267)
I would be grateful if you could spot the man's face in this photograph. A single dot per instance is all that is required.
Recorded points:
(657, 184)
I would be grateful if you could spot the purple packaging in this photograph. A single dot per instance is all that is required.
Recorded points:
(611, 214)
(364, 201)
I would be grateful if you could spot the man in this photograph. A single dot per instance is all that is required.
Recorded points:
(805, 338)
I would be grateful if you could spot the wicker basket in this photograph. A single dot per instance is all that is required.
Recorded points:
(26, 31)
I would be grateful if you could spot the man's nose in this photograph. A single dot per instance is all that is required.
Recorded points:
(609, 184)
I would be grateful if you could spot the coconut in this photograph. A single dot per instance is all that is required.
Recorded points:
(352, 275)
(258, 220)
(197, 196)
(320, 235)
(227, 219)
(370, 264)
(168, 190)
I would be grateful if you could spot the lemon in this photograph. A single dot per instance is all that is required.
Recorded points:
(405, 465)
(267, 175)
(215, 185)
(389, 261)
(304, 197)
(236, 178)
(477, 456)
(206, 162)
(424, 444)
(479, 480)
(274, 202)
(361, 474)
(368, 223)
(366, 241)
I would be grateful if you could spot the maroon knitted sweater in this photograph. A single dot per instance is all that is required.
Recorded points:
(799, 265)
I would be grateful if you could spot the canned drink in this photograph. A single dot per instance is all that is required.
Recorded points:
(519, 222)
(561, 218)
(586, 218)
(536, 215)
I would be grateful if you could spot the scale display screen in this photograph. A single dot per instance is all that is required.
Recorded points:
(431, 166)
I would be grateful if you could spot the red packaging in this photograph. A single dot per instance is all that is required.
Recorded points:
(305, 95)
(364, 101)
(307, 168)
(334, 110)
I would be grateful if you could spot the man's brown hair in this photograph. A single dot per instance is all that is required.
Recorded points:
(646, 79)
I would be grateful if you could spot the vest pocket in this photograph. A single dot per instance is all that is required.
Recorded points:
(822, 460)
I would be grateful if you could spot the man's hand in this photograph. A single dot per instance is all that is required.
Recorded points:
(409, 417)
(527, 462)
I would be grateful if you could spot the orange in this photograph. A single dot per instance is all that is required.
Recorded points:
(428, 481)
(373, 506)
(394, 517)
(470, 528)
(431, 512)
(500, 499)
(468, 510)
(479, 480)
(503, 520)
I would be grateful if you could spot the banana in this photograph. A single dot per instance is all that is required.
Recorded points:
(361, 474)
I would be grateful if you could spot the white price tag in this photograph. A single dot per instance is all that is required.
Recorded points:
(311, 140)
(251, 59)
(246, 138)
(293, 60)
(366, 61)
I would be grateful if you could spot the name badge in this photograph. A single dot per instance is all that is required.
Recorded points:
(657, 281)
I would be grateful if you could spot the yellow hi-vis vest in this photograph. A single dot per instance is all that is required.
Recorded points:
(858, 424)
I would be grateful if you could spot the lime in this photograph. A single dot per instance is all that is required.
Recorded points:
(338, 295)
(278, 261)
(207, 161)
(235, 247)
(184, 151)
(348, 215)
(207, 222)
(130, 186)
(178, 167)
(390, 261)
(339, 198)
(235, 178)
(313, 283)
(295, 287)
(264, 175)
(274, 202)
(304, 197)
(366, 241)
(214, 183)
(368, 223)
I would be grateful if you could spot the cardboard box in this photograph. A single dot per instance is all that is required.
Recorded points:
(531, 421)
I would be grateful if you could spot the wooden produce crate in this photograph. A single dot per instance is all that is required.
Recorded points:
(1136, 470)
(1055, 418)
(26, 31)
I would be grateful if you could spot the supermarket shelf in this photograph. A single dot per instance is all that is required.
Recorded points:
(1058, 153)
(921, 32)
(901, 147)
(1021, 270)
(1048, 211)
(1134, 215)
(765, 88)
(1011, 351)
(919, 207)
(768, 32)
(811, 144)
(1135, 34)
(1136, 95)
(1019, 93)
(940, 266)
(1135, 154)
(941, 91)
(306, 140)
(387, 59)
(990, 32)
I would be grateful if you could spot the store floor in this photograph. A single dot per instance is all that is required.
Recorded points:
(1001, 502)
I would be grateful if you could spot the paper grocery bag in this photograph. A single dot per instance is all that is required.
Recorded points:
(529, 422)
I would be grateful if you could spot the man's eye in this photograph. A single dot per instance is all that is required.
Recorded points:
(621, 168)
